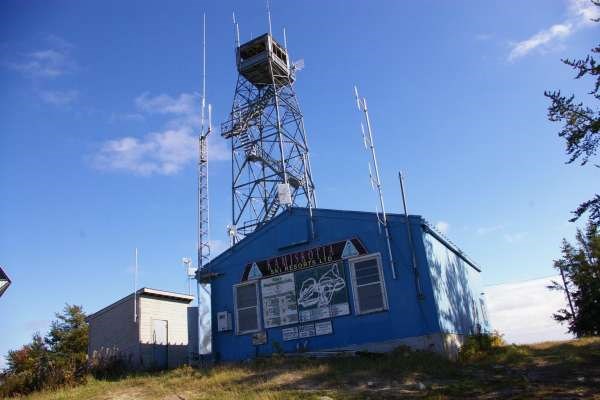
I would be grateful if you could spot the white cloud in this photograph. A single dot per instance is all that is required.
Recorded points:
(484, 36)
(442, 226)
(580, 14)
(584, 11)
(484, 230)
(184, 104)
(125, 117)
(164, 152)
(50, 62)
(58, 97)
(543, 38)
(514, 237)
(522, 311)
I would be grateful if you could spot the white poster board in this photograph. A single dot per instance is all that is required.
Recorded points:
(279, 300)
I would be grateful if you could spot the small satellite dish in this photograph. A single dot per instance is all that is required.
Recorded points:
(231, 230)
(298, 65)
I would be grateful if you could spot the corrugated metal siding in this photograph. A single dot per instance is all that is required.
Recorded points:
(456, 287)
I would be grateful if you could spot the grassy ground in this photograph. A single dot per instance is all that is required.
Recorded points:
(557, 370)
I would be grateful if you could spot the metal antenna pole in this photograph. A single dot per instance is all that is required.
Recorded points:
(135, 276)
(410, 239)
(236, 32)
(203, 200)
(269, 16)
(362, 106)
(203, 289)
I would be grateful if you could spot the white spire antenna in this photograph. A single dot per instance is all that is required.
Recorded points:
(269, 16)
(203, 72)
(236, 32)
(135, 276)
(375, 180)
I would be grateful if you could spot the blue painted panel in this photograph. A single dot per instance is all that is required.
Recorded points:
(408, 316)
(457, 289)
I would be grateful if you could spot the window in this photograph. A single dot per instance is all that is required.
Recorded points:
(247, 317)
(368, 284)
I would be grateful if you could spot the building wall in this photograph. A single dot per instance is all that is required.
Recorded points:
(407, 316)
(114, 332)
(173, 311)
(457, 289)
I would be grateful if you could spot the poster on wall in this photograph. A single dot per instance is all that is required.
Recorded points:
(322, 292)
(279, 300)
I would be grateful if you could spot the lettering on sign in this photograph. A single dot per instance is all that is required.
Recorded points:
(305, 331)
(279, 300)
(289, 333)
(303, 259)
(323, 328)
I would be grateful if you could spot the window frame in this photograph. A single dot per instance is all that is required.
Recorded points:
(351, 264)
(258, 307)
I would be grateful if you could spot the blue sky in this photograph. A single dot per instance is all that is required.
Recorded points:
(99, 111)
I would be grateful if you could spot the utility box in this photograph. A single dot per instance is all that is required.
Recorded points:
(224, 321)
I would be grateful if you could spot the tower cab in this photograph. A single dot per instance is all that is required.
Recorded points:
(263, 61)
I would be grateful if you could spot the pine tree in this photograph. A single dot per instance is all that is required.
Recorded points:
(67, 343)
(580, 268)
(581, 129)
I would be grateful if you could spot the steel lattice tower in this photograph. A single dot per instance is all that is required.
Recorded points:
(269, 149)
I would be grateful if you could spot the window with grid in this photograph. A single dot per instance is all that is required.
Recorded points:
(369, 287)
(246, 308)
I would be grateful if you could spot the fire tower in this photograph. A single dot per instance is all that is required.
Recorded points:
(270, 159)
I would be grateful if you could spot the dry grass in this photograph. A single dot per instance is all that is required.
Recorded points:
(546, 370)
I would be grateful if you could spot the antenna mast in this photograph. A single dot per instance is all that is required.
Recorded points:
(368, 141)
(135, 277)
(269, 16)
(203, 288)
(203, 200)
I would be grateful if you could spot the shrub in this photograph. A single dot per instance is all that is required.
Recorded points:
(107, 366)
(479, 346)
(57, 360)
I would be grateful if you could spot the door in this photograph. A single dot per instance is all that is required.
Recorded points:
(160, 336)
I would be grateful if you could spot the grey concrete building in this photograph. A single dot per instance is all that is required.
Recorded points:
(157, 337)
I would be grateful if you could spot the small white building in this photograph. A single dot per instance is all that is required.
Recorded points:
(148, 330)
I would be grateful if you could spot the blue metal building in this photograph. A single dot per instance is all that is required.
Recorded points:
(325, 283)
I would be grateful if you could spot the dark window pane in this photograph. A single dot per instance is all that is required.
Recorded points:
(247, 320)
(366, 272)
(370, 297)
(246, 296)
